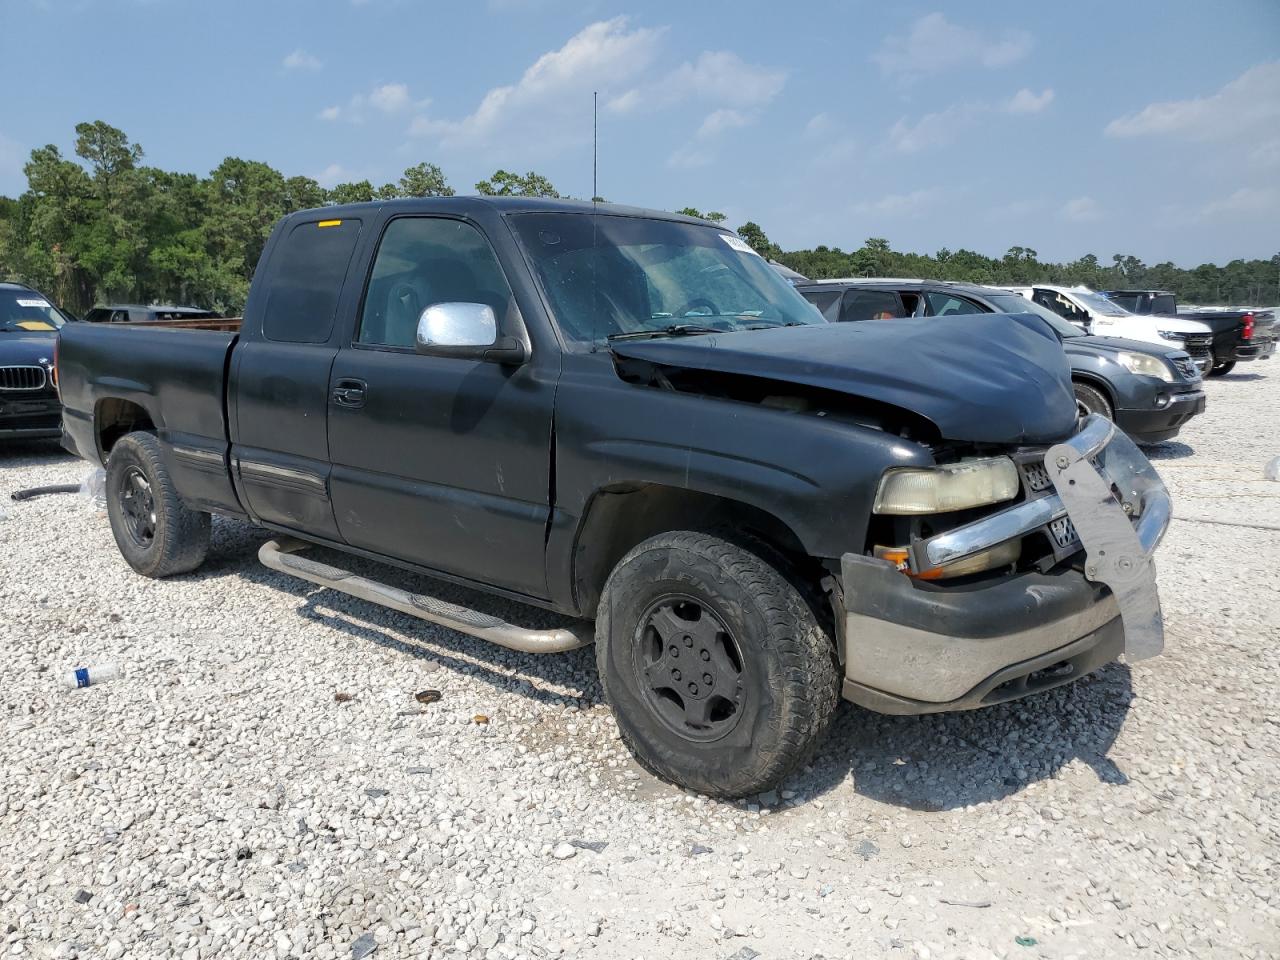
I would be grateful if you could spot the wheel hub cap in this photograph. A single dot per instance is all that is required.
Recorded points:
(690, 668)
(137, 506)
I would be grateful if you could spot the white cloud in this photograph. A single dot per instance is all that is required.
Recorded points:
(1081, 210)
(934, 129)
(389, 98)
(1024, 101)
(556, 88)
(906, 205)
(942, 126)
(1245, 203)
(689, 158)
(935, 45)
(718, 121)
(301, 60)
(716, 76)
(334, 174)
(819, 125)
(1243, 108)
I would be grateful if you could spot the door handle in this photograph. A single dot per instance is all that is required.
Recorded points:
(349, 393)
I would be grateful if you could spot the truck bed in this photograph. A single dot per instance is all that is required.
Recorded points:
(121, 376)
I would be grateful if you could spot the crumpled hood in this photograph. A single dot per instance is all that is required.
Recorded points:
(983, 378)
(26, 348)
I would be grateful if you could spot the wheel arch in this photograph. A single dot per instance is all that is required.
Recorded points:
(1098, 383)
(114, 417)
(619, 516)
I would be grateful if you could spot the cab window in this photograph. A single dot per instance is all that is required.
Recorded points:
(309, 265)
(422, 261)
(827, 302)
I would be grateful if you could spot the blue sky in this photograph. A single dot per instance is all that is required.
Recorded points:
(1149, 127)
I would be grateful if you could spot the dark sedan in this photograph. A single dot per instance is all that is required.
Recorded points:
(1148, 390)
(29, 324)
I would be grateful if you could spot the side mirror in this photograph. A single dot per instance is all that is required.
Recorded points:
(466, 331)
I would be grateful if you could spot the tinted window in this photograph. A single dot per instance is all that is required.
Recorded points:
(426, 260)
(27, 310)
(308, 269)
(1013, 303)
(871, 305)
(827, 302)
(945, 305)
(98, 315)
(1130, 301)
(1165, 304)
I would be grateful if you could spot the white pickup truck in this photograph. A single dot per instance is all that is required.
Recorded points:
(1095, 314)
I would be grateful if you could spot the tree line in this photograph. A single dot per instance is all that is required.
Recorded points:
(105, 227)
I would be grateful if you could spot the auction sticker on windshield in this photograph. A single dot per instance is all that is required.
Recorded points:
(42, 304)
(737, 243)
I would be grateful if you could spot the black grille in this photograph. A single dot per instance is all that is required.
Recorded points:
(22, 378)
(1201, 341)
(1037, 476)
(1187, 367)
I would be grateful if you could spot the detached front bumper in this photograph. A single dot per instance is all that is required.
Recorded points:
(918, 647)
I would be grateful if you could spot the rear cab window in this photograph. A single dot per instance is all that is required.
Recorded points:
(308, 270)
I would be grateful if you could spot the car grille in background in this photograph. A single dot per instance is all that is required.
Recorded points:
(22, 378)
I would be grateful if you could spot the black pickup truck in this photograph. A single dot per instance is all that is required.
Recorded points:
(1242, 333)
(628, 417)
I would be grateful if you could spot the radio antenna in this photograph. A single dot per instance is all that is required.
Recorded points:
(595, 139)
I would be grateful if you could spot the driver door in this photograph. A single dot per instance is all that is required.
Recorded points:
(442, 462)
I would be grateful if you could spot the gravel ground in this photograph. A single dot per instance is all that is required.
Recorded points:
(261, 781)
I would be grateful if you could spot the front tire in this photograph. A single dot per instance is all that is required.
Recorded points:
(156, 533)
(1223, 368)
(1093, 400)
(718, 671)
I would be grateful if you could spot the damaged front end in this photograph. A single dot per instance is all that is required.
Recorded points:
(925, 630)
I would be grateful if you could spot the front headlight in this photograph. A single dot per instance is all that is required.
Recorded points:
(954, 486)
(1145, 365)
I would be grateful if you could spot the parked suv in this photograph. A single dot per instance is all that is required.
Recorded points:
(1148, 390)
(29, 325)
(1094, 313)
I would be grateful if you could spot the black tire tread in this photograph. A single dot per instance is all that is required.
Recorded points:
(810, 689)
(1094, 398)
(182, 534)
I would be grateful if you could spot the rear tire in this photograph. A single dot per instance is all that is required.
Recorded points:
(1223, 368)
(719, 674)
(155, 532)
(1093, 400)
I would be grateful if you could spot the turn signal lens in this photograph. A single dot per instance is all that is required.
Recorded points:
(1001, 555)
(955, 486)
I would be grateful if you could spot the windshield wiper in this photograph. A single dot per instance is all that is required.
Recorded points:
(672, 330)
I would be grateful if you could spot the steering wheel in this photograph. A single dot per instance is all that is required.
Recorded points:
(697, 302)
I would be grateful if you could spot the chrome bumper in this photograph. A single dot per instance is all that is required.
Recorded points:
(1119, 508)
(913, 647)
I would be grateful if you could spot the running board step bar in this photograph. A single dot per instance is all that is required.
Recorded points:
(282, 555)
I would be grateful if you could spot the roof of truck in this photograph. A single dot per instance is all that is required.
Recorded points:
(503, 205)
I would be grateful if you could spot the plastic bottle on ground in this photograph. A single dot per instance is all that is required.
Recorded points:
(90, 676)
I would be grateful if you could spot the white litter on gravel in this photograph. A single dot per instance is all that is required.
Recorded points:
(261, 781)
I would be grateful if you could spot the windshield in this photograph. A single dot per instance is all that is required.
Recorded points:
(1099, 304)
(608, 275)
(27, 310)
(1014, 303)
